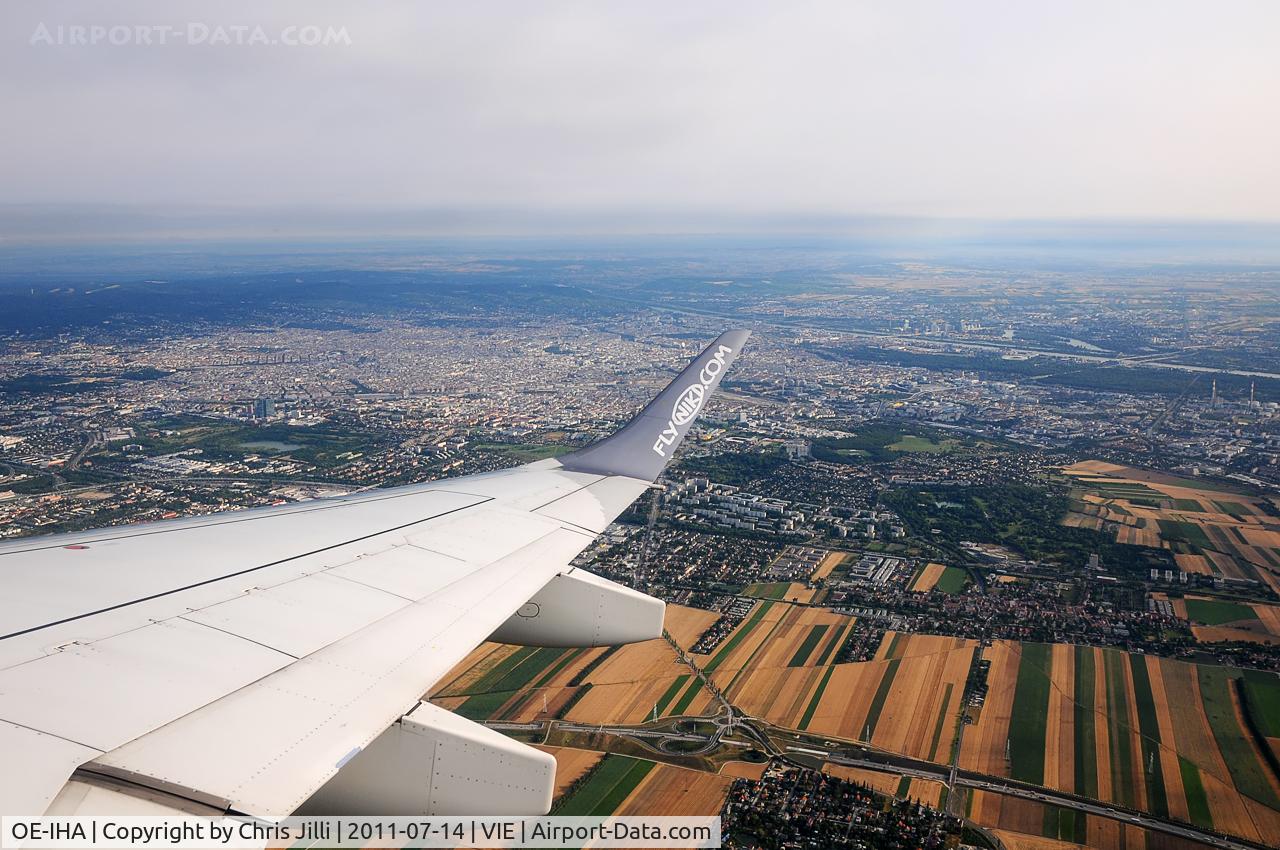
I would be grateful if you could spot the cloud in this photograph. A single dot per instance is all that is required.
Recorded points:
(808, 109)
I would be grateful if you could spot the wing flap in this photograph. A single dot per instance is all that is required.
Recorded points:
(300, 616)
(46, 763)
(267, 747)
(105, 693)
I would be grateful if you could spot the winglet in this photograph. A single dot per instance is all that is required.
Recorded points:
(645, 444)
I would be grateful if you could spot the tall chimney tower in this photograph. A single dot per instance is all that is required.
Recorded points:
(1213, 396)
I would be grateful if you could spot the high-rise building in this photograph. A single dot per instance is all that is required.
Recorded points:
(264, 408)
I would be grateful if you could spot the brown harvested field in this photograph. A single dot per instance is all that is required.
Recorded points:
(1215, 634)
(927, 791)
(1101, 470)
(797, 592)
(1269, 615)
(829, 563)
(1225, 564)
(755, 632)
(479, 661)
(928, 578)
(1092, 467)
(1059, 750)
(686, 625)
(921, 682)
(1019, 841)
(743, 769)
(1021, 825)
(626, 685)
(670, 791)
(649, 667)
(1138, 536)
(984, 742)
(571, 764)
(1266, 538)
(765, 683)
(1198, 564)
(1077, 520)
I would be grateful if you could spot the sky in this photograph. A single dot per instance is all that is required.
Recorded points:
(641, 115)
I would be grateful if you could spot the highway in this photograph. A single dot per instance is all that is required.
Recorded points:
(804, 749)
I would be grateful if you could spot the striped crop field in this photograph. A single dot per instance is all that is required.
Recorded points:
(1160, 735)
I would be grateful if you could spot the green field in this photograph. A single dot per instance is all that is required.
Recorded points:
(1086, 754)
(1119, 733)
(817, 697)
(1031, 708)
(877, 702)
(807, 646)
(1234, 508)
(952, 580)
(687, 700)
(671, 692)
(836, 636)
(1246, 768)
(1193, 787)
(1149, 725)
(1215, 612)
(515, 671)
(767, 590)
(524, 452)
(1262, 690)
(912, 443)
(321, 445)
(1176, 529)
(611, 782)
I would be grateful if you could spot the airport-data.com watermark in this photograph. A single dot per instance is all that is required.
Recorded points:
(189, 34)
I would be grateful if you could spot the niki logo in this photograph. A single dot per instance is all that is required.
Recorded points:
(689, 402)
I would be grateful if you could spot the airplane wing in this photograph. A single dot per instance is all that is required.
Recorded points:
(272, 661)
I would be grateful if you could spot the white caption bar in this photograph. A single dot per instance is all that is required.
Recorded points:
(188, 833)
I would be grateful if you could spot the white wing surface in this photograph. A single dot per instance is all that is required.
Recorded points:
(266, 661)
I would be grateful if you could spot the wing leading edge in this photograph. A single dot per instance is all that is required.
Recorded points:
(306, 655)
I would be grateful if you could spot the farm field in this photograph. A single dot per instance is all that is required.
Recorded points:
(1164, 736)
(927, 791)
(675, 791)
(1150, 733)
(1028, 825)
(622, 785)
(602, 789)
(602, 685)
(1208, 530)
(828, 565)
(906, 700)
(927, 578)
(791, 591)
(571, 764)
(1218, 619)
